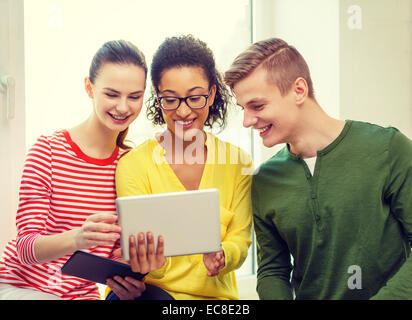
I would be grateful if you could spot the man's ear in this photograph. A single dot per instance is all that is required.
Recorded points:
(300, 88)
(88, 87)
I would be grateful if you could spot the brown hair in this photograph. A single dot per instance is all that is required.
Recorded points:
(282, 61)
(120, 52)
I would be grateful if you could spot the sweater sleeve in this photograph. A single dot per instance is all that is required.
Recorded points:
(34, 199)
(273, 256)
(399, 195)
(237, 238)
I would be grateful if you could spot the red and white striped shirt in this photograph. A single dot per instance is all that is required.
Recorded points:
(60, 188)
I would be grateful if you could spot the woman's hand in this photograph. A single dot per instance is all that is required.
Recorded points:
(97, 230)
(126, 288)
(214, 262)
(142, 260)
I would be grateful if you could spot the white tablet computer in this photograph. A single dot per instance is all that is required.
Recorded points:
(189, 221)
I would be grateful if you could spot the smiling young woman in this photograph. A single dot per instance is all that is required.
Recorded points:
(188, 96)
(67, 192)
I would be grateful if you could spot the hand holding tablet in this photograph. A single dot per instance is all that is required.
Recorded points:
(214, 262)
(97, 269)
(141, 259)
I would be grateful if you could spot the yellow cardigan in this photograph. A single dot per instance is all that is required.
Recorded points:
(144, 170)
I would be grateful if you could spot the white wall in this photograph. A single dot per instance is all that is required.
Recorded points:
(361, 66)
(62, 37)
(12, 132)
(376, 62)
(313, 28)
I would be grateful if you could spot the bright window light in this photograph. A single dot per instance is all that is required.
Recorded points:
(62, 37)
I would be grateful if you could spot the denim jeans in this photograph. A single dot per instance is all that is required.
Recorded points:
(151, 293)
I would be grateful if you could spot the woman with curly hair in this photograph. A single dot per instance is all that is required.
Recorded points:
(189, 94)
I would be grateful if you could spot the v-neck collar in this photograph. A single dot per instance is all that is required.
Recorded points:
(206, 168)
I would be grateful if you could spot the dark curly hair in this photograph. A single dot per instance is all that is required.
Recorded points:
(188, 51)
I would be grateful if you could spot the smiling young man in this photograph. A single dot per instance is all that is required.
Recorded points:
(337, 198)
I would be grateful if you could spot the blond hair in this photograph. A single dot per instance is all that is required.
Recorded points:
(283, 63)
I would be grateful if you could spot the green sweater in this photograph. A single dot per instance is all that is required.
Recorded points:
(348, 228)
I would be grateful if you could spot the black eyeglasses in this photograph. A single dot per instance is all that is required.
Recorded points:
(197, 101)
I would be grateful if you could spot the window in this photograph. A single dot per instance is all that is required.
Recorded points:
(62, 37)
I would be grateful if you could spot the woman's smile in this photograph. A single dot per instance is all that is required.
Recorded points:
(118, 118)
(186, 124)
